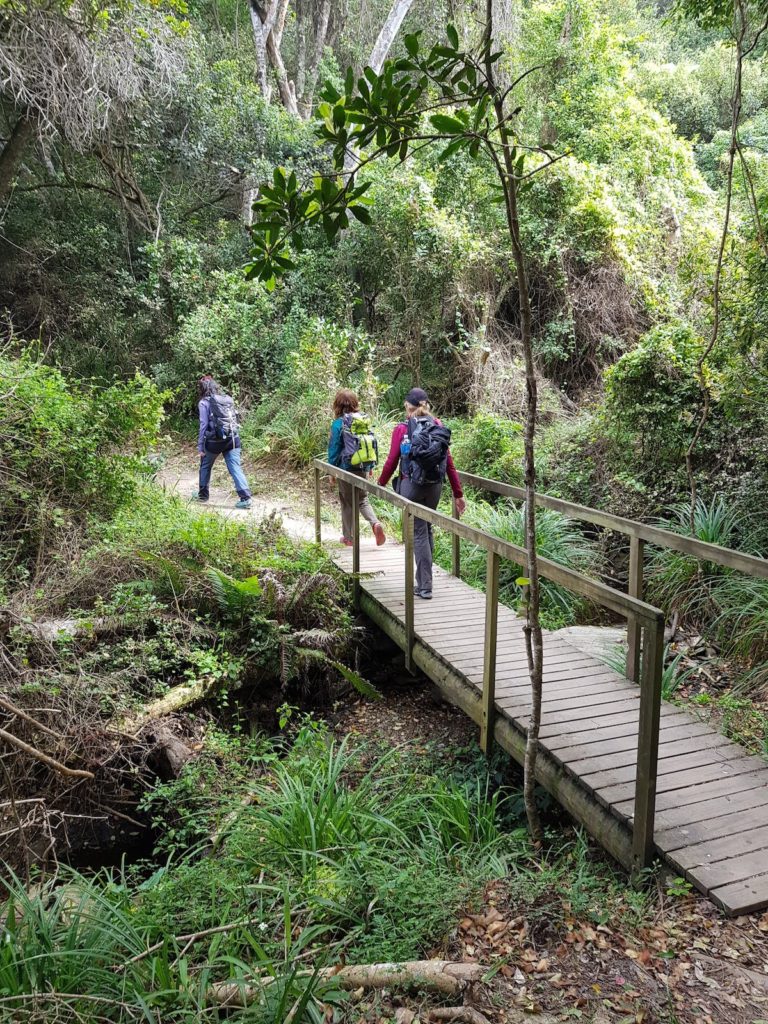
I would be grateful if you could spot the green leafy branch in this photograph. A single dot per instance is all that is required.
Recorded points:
(440, 95)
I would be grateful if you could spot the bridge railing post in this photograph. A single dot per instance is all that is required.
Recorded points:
(648, 745)
(318, 534)
(635, 588)
(455, 547)
(356, 547)
(408, 575)
(489, 656)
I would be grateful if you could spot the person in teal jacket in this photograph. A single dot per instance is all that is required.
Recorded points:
(346, 401)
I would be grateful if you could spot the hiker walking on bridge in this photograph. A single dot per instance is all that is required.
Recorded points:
(352, 447)
(421, 446)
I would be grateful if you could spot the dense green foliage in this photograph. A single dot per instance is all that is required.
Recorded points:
(69, 449)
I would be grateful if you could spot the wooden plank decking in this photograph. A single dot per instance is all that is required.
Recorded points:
(712, 797)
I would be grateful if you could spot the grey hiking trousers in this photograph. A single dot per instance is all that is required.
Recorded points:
(345, 500)
(423, 541)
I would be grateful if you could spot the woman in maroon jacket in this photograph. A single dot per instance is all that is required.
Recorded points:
(417, 405)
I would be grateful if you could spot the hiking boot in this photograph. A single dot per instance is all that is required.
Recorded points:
(346, 542)
(196, 497)
(243, 503)
(425, 595)
(378, 533)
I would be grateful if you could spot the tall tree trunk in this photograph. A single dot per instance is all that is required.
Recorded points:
(533, 638)
(381, 48)
(280, 16)
(284, 84)
(302, 31)
(267, 23)
(13, 151)
(321, 32)
(389, 30)
(260, 46)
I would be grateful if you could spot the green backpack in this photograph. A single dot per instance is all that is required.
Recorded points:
(360, 448)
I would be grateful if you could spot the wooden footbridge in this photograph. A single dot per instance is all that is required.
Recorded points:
(644, 777)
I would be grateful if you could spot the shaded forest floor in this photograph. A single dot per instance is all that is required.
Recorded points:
(683, 962)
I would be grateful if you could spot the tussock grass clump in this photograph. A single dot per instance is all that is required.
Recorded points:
(679, 582)
(557, 538)
(729, 607)
(381, 855)
(741, 626)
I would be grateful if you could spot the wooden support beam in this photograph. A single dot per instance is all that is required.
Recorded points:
(752, 565)
(409, 578)
(318, 533)
(648, 746)
(489, 659)
(356, 548)
(455, 546)
(634, 626)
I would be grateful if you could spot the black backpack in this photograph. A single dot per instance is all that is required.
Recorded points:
(223, 424)
(429, 450)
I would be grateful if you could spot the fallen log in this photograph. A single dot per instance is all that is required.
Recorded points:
(466, 1014)
(442, 976)
(177, 699)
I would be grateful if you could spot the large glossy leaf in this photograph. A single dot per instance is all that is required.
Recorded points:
(447, 124)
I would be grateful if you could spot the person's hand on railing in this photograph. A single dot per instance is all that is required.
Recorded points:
(461, 507)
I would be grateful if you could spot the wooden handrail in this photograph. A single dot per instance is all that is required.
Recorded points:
(753, 565)
(593, 590)
(647, 620)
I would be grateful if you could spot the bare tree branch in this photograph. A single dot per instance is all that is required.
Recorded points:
(80, 80)
(38, 755)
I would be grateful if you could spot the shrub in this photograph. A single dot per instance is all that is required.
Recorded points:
(292, 425)
(653, 400)
(69, 450)
(571, 461)
(236, 337)
(490, 446)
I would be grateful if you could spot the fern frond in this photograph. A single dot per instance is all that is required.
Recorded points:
(361, 685)
(225, 591)
(318, 639)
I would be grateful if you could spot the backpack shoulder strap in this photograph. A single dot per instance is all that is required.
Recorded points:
(414, 421)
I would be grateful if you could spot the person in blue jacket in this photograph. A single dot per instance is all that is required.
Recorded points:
(345, 402)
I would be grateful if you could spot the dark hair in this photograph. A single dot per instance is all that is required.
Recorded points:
(207, 386)
(344, 402)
